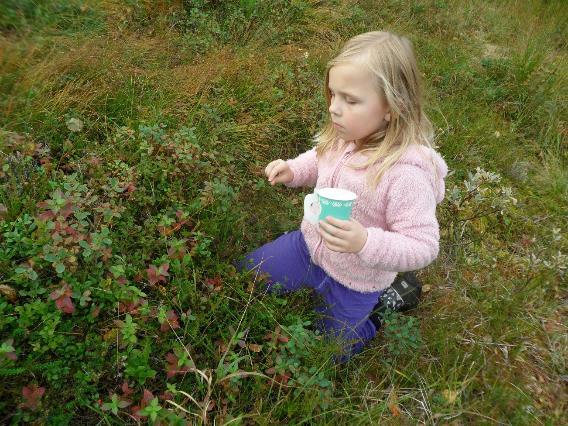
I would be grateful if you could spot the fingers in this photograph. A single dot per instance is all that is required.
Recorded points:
(270, 167)
(335, 248)
(274, 169)
(333, 230)
(338, 223)
(337, 234)
(277, 170)
(332, 242)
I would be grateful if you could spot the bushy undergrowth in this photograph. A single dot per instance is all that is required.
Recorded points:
(113, 289)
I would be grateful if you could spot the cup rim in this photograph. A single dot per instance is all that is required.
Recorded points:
(336, 194)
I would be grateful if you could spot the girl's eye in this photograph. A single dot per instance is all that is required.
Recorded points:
(351, 102)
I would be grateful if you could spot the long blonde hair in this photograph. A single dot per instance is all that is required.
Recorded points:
(390, 59)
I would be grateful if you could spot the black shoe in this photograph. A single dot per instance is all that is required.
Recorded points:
(402, 295)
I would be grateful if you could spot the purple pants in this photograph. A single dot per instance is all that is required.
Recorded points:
(345, 312)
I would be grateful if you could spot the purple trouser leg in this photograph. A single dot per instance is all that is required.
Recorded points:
(345, 312)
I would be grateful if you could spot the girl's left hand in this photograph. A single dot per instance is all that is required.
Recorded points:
(344, 236)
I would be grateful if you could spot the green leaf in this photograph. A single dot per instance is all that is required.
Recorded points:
(117, 270)
(152, 409)
(5, 348)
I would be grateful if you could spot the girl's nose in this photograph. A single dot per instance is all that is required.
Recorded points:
(334, 108)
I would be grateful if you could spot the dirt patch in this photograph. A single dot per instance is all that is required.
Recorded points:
(493, 51)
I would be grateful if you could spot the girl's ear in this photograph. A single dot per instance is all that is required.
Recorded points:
(387, 116)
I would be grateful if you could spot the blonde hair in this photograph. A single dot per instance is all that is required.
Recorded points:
(390, 59)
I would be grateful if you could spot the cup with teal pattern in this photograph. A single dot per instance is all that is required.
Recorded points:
(324, 202)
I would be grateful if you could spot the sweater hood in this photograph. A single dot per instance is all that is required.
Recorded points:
(433, 165)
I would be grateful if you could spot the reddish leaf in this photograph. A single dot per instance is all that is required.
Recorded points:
(130, 188)
(392, 403)
(62, 297)
(172, 321)
(135, 412)
(156, 275)
(71, 231)
(130, 307)
(395, 411)
(65, 305)
(177, 226)
(276, 336)
(46, 215)
(126, 391)
(32, 394)
(166, 395)
(214, 284)
(147, 397)
(282, 378)
(96, 311)
(173, 368)
(107, 253)
(67, 210)
(153, 276)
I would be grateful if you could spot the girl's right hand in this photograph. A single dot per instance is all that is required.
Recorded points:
(278, 171)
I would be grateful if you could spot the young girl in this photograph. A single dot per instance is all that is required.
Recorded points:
(376, 144)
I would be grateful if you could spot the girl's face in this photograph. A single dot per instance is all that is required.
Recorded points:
(356, 108)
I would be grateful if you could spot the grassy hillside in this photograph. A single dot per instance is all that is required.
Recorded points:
(133, 136)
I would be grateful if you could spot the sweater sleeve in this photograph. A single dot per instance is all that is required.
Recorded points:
(305, 169)
(412, 239)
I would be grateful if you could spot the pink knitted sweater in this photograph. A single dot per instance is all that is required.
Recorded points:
(400, 214)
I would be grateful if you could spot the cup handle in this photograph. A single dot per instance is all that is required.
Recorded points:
(309, 215)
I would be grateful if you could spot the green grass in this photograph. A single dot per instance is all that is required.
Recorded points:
(183, 103)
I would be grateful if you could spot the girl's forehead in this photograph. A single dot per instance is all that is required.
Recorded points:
(355, 76)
